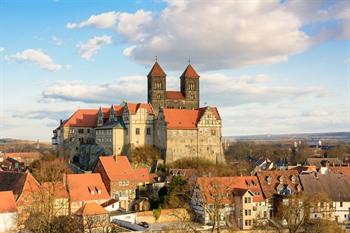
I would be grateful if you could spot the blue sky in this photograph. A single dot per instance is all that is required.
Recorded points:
(270, 67)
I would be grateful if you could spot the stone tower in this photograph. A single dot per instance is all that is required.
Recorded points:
(156, 87)
(188, 96)
(190, 87)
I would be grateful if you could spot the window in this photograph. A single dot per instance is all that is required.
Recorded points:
(80, 130)
(148, 131)
(248, 222)
(192, 97)
(159, 96)
(137, 131)
(248, 212)
(191, 86)
(159, 85)
(213, 132)
(247, 200)
(341, 204)
(88, 130)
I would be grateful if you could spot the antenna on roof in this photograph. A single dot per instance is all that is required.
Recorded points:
(189, 60)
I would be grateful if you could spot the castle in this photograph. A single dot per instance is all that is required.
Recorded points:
(173, 121)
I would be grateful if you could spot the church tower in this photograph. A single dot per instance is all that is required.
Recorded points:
(156, 87)
(190, 87)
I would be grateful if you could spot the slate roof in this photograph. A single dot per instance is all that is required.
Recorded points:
(336, 186)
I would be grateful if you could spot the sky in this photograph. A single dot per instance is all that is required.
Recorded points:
(271, 67)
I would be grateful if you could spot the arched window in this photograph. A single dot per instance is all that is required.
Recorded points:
(158, 85)
(191, 86)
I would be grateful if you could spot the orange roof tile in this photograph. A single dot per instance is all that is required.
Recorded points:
(340, 170)
(190, 72)
(212, 185)
(18, 182)
(174, 95)
(270, 187)
(91, 208)
(85, 187)
(117, 168)
(156, 71)
(133, 108)
(186, 118)
(142, 175)
(118, 110)
(7, 203)
(83, 118)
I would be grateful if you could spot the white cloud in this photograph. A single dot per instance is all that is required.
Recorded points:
(130, 25)
(89, 48)
(2, 49)
(130, 88)
(226, 35)
(36, 56)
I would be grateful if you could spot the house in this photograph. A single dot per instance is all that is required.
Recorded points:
(119, 178)
(24, 157)
(238, 200)
(92, 218)
(322, 164)
(189, 133)
(284, 182)
(85, 188)
(56, 195)
(337, 188)
(25, 189)
(10, 164)
(8, 212)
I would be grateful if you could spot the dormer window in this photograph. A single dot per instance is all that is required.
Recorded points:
(280, 179)
(268, 179)
(292, 178)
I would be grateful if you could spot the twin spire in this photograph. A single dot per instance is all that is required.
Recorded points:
(157, 71)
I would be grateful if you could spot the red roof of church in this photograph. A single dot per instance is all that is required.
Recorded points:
(174, 95)
(157, 71)
(133, 108)
(7, 203)
(190, 72)
(186, 118)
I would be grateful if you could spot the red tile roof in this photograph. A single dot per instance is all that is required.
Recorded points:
(214, 185)
(156, 71)
(91, 208)
(7, 203)
(190, 72)
(340, 170)
(133, 108)
(186, 118)
(117, 168)
(174, 95)
(88, 117)
(269, 181)
(18, 182)
(142, 175)
(86, 187)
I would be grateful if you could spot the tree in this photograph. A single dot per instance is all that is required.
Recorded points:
(323, 226)
(145, 155)
(294, 211)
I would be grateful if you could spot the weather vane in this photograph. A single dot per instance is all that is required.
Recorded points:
(156, 58)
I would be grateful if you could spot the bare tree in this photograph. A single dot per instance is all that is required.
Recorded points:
(294, 211)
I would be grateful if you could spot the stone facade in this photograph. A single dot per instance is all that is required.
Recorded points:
(188, 96)
(201, 141)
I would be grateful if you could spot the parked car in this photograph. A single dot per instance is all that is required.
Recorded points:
(144, 224)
